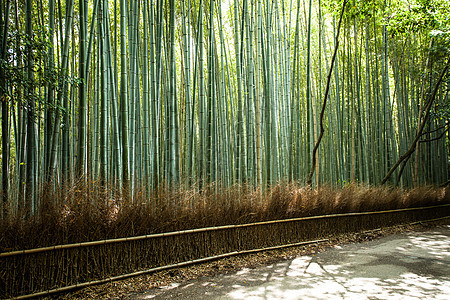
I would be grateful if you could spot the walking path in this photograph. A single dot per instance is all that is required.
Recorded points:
(414, 265)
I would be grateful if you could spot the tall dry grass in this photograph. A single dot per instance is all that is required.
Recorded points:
(85, 211)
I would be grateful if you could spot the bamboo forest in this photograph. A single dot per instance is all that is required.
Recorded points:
(145, 135)
(135, 95)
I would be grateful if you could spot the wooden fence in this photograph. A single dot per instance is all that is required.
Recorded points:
(38, 272)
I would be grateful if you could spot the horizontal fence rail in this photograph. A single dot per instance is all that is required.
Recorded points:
(197, 230)
(38, 272)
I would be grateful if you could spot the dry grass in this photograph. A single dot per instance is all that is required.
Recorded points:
(86, 212)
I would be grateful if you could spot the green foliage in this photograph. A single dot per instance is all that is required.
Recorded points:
(17, 53)
(401, 16)
(420, 15)
(15, 71)
(355, 8)
(440, 50)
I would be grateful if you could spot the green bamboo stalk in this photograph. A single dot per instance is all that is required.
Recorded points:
(124, 95)
(31, 143)
(103, 94)
(63, 91)
(5, 115)
(171, 125)
(145, 94)
(82, 121)
(112, 111)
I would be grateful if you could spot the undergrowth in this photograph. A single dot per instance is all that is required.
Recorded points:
(86, 212)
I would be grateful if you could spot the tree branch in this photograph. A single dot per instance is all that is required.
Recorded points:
(325, 97)
(437, 129)
(436, 138)
(412, 148)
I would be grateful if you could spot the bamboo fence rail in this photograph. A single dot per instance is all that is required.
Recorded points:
(162, 268)
(189, 231)
(37, 272)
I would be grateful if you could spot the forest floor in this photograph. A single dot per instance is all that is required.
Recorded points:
(125, 289)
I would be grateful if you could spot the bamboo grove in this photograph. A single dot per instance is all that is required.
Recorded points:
(136, 94)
